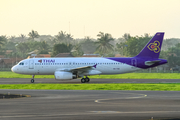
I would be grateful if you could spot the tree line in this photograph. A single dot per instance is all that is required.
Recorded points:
(105, 45)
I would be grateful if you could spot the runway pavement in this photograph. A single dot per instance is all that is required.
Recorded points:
(77, 81)
(88, 105)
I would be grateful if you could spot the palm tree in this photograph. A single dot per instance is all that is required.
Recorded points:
(43, 47)
(77, 51)
(33, 34)
(87, 38)
(104, 46)
(22, 48)
(69, 38)
(12, 38)
(126, 36)
(60, 38)
(22, 36)
(87, 45)
(2, 40)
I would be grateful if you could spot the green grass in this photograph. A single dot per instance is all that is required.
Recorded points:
(9, 74)
(119, 76)
(123, 86)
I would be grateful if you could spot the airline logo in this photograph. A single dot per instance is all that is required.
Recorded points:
(40, 61)
(154, 46)
(47, 61)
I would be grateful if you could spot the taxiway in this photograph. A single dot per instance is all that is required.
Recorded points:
(77, 81)
(90, 104)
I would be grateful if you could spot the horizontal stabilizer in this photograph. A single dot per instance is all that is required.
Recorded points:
(149, 63)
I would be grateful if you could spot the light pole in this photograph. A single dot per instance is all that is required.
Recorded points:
(16, 52)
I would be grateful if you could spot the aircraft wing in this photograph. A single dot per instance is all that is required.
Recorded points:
(149, 63)
(83, 69)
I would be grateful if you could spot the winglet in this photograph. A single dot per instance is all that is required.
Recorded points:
(95, 65)
(153, 48)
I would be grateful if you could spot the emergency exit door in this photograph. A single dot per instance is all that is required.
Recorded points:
(134, 62)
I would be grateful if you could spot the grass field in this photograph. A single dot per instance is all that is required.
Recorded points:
(123, 86)
(119, 76)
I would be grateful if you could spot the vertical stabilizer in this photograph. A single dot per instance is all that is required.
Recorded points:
(153, 48)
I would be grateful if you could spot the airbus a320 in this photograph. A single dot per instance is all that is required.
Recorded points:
(73, 68)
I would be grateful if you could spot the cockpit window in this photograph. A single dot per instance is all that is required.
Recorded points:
(21, 63)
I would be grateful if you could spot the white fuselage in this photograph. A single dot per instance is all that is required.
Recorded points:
(48, 66)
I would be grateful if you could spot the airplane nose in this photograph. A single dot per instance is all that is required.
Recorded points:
(13, 69)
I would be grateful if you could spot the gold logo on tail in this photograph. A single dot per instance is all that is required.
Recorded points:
(154, 46)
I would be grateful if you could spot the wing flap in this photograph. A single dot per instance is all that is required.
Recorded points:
(81, 68)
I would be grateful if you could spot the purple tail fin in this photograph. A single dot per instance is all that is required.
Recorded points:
(153, 48)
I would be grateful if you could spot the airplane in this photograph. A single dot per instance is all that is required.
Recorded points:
(73, 68)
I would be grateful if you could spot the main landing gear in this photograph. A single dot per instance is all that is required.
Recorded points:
(32, 80)
(83, 80)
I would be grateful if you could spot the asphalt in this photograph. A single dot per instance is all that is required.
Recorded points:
(90, 104)
(77, 81)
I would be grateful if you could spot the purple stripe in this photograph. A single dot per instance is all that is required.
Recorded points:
(138, 62)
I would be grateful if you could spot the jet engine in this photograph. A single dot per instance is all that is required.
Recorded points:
(61, 75)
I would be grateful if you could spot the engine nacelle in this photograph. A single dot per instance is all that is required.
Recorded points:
(63, 75)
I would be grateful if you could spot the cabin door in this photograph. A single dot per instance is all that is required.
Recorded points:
(31, 64)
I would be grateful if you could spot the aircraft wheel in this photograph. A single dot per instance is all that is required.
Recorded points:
(83, 80)
(87, 79)
(32, 80)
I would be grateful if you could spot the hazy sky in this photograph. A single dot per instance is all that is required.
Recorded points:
(89, 17)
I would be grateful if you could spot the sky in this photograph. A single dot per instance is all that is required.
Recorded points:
(83, 18)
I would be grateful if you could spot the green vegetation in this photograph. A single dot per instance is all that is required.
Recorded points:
(129, 42)
(140, 76)
(119, 76)
(105, 44)
(33, 34)
(123, 86)
(9, 74)
(61, 48)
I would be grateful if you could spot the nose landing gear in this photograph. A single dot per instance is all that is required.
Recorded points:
(32, 80)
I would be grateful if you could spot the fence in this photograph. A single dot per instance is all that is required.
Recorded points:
(5, 69)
